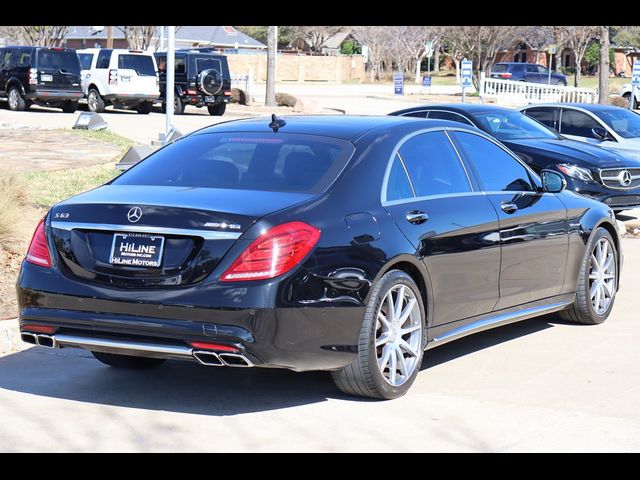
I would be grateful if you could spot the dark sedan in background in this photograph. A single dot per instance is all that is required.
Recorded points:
(526, 72)
(599, 173)
(347, 244)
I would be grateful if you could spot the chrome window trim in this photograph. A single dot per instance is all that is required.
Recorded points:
(206, 234)
(406, 172)
(433, 197)
(469, 123)
(396, 150)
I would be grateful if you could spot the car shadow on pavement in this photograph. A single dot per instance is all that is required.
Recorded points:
(489, 338)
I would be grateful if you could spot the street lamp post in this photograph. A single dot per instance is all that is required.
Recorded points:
(169, 89)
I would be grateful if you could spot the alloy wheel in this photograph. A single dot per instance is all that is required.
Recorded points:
(13, 99)
(602, 276)
(92, 101)
(398, 335)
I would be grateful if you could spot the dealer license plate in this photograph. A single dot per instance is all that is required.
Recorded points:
(136, 250)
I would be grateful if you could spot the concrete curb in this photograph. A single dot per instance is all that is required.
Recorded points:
(10, 337)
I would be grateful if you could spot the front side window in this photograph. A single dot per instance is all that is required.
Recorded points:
(244, 161)
(622, 121)
(494, 168)
(578, 124)
(433, 165)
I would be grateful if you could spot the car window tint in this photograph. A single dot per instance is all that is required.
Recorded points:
(104, 58)
(625, 123)
(532, 69)
(577, 123)
(142, 64)
(543, 115)
(85, 60)
(244, 161)
(24, 58)
(494, 168)
(500, 68)
(59, 60)
(454, 117)
(433, 165)
(398, 187)
(6, 56)
(421, 114)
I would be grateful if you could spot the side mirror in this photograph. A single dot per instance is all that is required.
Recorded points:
(601, 133)
(553, 182)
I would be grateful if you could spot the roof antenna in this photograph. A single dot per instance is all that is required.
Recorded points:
(276, 123)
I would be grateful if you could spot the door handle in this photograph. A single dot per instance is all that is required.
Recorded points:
(416, 217)
(508, 207)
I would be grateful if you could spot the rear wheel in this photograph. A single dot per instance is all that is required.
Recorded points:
(15, 100)
(218, 109)
(390, 345)
(145, 108)
(126, 361)
(597, 281)
(178, 106)
(70, 106)
(95, 102)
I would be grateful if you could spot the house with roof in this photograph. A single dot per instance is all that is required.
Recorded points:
(224, 38)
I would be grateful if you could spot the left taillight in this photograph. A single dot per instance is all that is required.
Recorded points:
(273, 253)
(38, 252)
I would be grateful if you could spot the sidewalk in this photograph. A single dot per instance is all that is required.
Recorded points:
(10, 337)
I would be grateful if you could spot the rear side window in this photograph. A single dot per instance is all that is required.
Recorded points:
(433, 165)
(85, 60)
(244, 161)
(398, 187)
(454, 117)
(59, 59)
(141, 64)
(419, 114)
(24, 58)
(546, 116)
(179, 68)
(578, 124)
(104, 58)
(495, 169)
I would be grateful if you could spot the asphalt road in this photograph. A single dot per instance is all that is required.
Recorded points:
(540, 385)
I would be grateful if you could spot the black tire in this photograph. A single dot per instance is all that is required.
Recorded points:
(70, 106)
(126, 361)
(145, 108)
(16, 100)
(217, 110)
(581, 310)
(363, 376)
(178, 105)
(95, 102)
(627, 96)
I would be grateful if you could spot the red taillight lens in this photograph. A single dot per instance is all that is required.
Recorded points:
(38, 328)
(274, 252)
(505, 75)
(38, 252)
(113, 77)
(191, 92)
(227, 93)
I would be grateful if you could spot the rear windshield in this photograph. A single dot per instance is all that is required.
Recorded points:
(85, 60)
(142, 64)
(500, 68)
(277, 162)
(59, 59)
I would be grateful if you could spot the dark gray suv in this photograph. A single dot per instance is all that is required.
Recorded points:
(526, 72)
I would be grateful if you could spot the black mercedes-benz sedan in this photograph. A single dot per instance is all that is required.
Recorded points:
(347, 244)
(596, 172)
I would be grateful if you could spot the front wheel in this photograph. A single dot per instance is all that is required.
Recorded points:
(126, 361)
(597, 281)
(390, 345)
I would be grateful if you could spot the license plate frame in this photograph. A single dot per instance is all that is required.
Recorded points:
(46, 77)
(209, 99)
(143, 250)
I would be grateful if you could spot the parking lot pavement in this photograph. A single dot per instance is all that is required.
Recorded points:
(540, 385)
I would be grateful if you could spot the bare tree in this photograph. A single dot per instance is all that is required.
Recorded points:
(560, 39)
(455, 46)
(603, 74)
(377, 39)
(315, 36)
(139, 37)
(578, 39)
(413, 40)
(537, 38)
(44, 36)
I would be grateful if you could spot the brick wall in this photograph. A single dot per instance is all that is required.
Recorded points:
(301, 68)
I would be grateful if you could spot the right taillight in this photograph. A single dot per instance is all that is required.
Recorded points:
(273, 253)
(113, 77)
(38, 252)
(505, 75)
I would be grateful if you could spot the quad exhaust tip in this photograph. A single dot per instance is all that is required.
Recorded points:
(40, 339)
(213, 359)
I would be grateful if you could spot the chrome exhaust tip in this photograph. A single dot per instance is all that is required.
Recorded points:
(48, 341)
(29, 338)
(210, 359)
(235, 360)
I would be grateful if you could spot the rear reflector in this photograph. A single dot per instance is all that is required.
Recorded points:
(28, 327)
(227, 93)
(191, 92)
(274, 252)
(214, 346)
(38, 252)
(505, 75)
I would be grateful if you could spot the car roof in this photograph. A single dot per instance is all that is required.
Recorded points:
(345, 127)
(591, 107)
(470, 108)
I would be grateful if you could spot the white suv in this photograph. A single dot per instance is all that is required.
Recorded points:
(122, 78)
(625, 92)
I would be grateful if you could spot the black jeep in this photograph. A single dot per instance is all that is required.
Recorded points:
(41, 75)
(201, 79)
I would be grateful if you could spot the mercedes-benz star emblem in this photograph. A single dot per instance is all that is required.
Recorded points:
(134, 214)
(624, 178)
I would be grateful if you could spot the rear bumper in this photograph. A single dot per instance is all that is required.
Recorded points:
(132, 98)
(202, 100)
(319, 337)
(54, 95)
